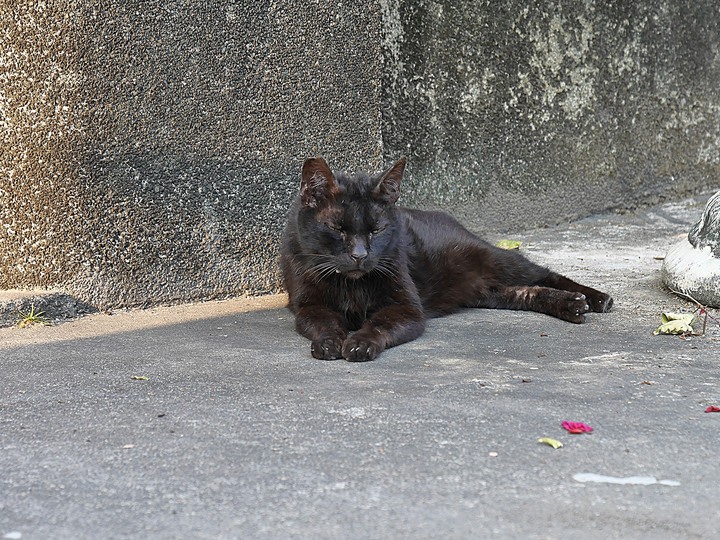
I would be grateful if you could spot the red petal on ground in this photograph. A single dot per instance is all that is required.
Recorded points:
(712, 408)
(576, 427)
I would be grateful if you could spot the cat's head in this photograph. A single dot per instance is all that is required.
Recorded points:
(348, 223)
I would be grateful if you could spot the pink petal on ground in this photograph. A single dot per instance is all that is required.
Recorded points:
(576, 427)
(712, 408)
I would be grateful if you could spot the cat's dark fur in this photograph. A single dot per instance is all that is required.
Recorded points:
(363, 274)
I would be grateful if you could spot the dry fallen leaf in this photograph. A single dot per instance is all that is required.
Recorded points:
(675, 323)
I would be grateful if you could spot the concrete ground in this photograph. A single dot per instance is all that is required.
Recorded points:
(238, 433)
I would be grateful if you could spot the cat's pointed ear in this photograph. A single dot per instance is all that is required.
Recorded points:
(388, 187)
(317, 184)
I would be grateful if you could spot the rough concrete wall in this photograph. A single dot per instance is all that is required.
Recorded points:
(150, 148)
(520, 114)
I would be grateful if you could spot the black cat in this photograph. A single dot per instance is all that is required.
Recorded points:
(352, 260)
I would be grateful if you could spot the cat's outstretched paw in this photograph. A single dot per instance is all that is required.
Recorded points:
(359, 349)
(575, 309)
(327, 349)
(600, 302)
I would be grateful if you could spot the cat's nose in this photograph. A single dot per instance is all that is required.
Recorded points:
(358, 256)
(358, 253)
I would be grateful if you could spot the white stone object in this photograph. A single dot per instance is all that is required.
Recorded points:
(692, 266)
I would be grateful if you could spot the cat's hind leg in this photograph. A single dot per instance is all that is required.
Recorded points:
(519, 274)
(521, 271)
(599, 302)
(565, 305)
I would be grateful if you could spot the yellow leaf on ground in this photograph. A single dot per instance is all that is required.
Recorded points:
(675, 323)
(550, 442)
(509, 244)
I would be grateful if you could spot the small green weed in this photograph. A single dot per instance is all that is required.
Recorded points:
(32, 317)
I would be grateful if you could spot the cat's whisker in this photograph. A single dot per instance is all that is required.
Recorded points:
(322, 270)
(314, 255)
(387, 267)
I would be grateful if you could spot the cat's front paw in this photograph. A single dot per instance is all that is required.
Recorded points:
(360, 349)
(327, 348)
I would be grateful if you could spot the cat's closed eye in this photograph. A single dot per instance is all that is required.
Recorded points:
(335, 228)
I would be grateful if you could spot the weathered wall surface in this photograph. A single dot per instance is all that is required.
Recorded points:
(524, 114)
(149, 149)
